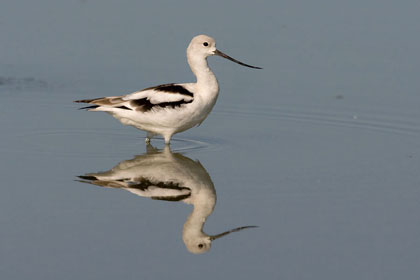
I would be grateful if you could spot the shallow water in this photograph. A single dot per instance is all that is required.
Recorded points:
(320, 149)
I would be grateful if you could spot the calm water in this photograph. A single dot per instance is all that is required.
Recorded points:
(320, 149)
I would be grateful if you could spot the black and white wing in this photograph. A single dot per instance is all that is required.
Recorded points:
(142, 186)
(162, 96)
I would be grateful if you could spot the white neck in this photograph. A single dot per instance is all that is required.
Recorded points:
(195, 221)
(203, 207)
(205, 77)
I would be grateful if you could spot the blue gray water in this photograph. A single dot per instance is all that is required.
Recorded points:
(320, 149)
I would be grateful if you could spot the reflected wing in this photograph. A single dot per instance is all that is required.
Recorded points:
(169, 191)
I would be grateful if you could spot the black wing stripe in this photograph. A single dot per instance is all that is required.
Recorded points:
(171, 198)
(89, 107)
(171, 88)
(145, 105)
(123, 107)
(143, 183)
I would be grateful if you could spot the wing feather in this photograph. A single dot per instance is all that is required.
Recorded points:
(162, 96)
(163, 93)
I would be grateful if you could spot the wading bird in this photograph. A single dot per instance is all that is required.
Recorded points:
(170, 108)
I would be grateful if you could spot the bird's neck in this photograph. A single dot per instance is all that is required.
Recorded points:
(205, 77)
(195, 221)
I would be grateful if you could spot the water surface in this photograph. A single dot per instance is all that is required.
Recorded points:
(320, 149)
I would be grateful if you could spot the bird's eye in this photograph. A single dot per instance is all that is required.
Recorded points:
(205, 44)
(200, 245)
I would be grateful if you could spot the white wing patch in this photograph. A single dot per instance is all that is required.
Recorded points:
(163, 93)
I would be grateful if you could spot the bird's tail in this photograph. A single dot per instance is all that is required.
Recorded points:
(102, 101)
(91, 179)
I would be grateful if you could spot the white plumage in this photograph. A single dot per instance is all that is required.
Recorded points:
(170, 108)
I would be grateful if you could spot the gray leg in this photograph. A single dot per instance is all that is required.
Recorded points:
(149, 137)
(150, 149)
(167, 139)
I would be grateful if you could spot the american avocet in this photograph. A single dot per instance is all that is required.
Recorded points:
(170, 108)
(163, 175)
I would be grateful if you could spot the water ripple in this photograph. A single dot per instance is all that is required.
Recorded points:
(393, 123)
(97, 143)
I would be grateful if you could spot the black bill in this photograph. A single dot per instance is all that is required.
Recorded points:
(232, 230)
(219, 53)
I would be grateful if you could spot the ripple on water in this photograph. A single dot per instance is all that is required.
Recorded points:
(392, 123)
(96, 143)
(186, 145)
(17, 83)
(105, 143)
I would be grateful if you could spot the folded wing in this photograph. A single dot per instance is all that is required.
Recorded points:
(162, 96)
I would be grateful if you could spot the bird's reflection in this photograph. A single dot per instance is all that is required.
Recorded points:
(163, 175)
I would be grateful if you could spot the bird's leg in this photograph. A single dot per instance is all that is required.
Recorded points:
(150, 149)
(167, 139)
(167, 150)
(149, 137)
